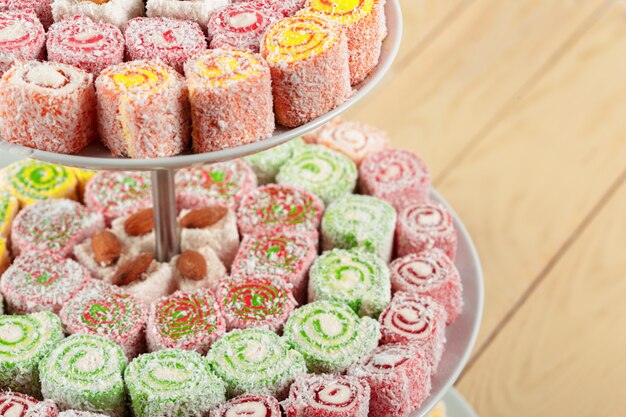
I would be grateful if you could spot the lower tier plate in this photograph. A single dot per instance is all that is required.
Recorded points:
(457, 406)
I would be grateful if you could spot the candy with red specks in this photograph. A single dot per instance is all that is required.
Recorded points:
(240, 26)
(248, 406)
(116, 12)
(397, 176)
(15, 404)
(22, 38)
(198, 11)
(425, 226)
(41, 8)
(284, 8)
(430, 273)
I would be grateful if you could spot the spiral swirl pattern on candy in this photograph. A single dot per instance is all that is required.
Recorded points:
(15, 404)
(248, 406)
(255, 361)
(31, 181)
(85, 372)
(240, 26)
(118, 193)
(23, 38)
(426, 226)
(330, 336)
(172, 382)
(354, 139)
(266, 164)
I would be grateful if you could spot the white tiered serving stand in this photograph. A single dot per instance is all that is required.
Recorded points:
(461, 335)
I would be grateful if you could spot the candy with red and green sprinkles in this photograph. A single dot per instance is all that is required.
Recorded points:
(40, 282)
(32, 181)
(108, 311)
(256, 361)
(330, 335)
(322, 171)
(248, 406)
(24, 341)
(360, 221)
(53, 227)
(187, 320)
(355, 277)
(15, 404)
(85, 372)
(9, 206)
(266, 164)
(172, 382)
(425, 226)
(284, 207)
(255, 302)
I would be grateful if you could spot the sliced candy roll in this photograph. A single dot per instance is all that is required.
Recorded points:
(118, 193)
(430, 273)
(188, 320)
(31, 181)
(399, 377)
(248, 303)
(240, 26)
(397, 176)
(328, 396)
(172, 382)
(322, 171)
(360, 221)
(22, 38)
(197, 269)
(231, 99)
(424, 226)
(355, 277)
(115, 12)
(221, 184)
(416, 320)
(48, 106)
(266, 164)
(53, 227)
(41, 8)
(83, 43)
(364, 24)
(5, 261)
(85, 372)
(330, 336)
(285, 255)
(255, 361)
(41, 282)
(283, 207)
(15, 404)
(24, 341)
(9, 206)
(198, 11)
(248, 406)
(74, 413)
(308, 58)
(172, 41)
(110, 312)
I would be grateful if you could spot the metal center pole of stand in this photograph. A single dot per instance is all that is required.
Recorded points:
(164, 201)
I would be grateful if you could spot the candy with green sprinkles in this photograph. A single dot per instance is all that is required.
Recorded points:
(173, 383)
(360, 221)
(9, 205)
(24, 341)
(330, 335)
(84, 372)
(322, 171)
(356, 277)
(31, 181)
(266, 164)
(256, 361)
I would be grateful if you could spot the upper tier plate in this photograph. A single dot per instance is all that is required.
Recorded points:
(96, 156)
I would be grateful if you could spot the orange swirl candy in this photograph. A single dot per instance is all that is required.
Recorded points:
(308, 59)
(365, 28)
(231, 99)
(48, 106)
(142, 110)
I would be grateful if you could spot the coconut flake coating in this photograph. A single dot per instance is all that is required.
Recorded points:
(15, 404)
(330, 336)
(85, 372)
(53, 227)
(198, 11)
(41, 8)
(171, 41)
(355, 277)
(74, 413)
(425, 226)
(83, 43)
(24, 341)
(360, 221)
(248, 406)
(266, 164)
(255, 361)
(115, 12)
(285, 8)
(9, 206)
(41, 282)
(240, 26)
(172, 383)
(22, 38)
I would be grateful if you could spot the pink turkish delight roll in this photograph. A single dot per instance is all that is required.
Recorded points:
(15, 404)
(53, 227)
(399, 377)
(248, 406)
(198, 11)
(240, 26)
(284, 8)
(430, 273)
(83, 43)
(328, 396)
(116, 12)
(415, 320)
(172, 41)
(41, 8)
(397, 176)
(425, 226)
(22, 38)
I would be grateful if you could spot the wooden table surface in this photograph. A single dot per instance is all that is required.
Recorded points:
(519, 108)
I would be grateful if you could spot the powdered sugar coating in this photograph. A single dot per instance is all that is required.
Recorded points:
(198, 11)
(248, 406)
(41, 8)
(116, 12)
(240, 26)
(285, 8)
(425, 226)
(215, 269)
(22, 38)
(157, 281)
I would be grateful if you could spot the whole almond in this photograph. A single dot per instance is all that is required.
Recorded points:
(106, 247)
(192, 265)
(133, 269)
(204, 217)
(140, 223)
